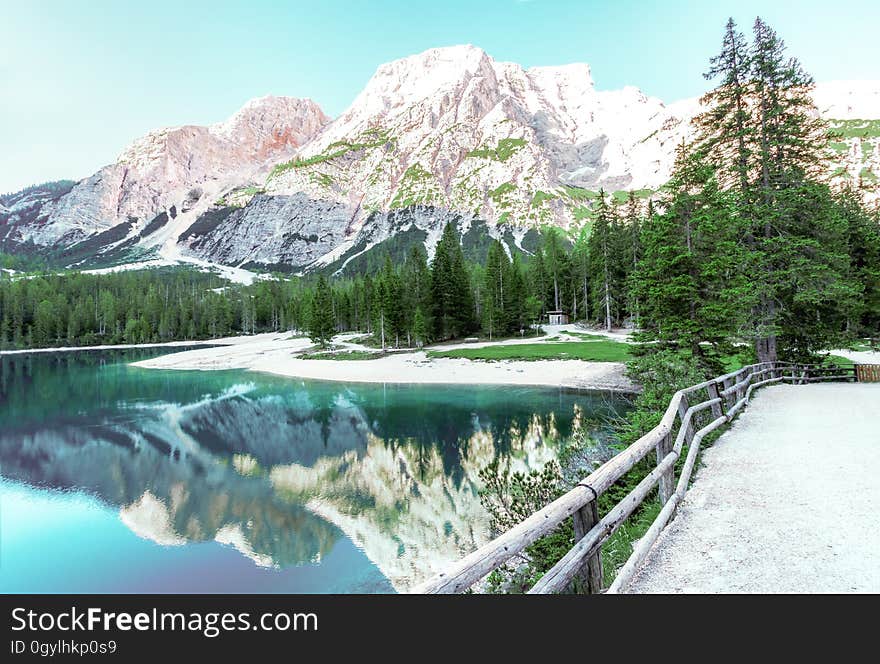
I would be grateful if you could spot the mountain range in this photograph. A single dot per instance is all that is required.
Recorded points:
(446, 135)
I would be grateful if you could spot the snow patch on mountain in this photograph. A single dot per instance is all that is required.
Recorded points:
(848, 100)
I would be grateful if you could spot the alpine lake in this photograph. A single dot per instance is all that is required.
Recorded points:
(118, 479)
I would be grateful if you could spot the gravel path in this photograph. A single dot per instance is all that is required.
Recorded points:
(787, 501)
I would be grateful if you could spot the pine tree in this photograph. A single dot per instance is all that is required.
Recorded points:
(726, 128)
(863, 240)
(321, 322)
(496, 317)
(451, 298)
(683, 282)
(580, 275)
(515, 296)
(763, 137)
(632, 238)
(555, 261)
(538, 280)
(621, 266)
(790, 144)
(601, 251)
(420, 327)
(416, 282)
(441, 287)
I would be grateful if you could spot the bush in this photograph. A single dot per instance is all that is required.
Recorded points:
(512, 497)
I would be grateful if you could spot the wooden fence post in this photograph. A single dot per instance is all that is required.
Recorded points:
(740, 391)
(667, 480)
(682, 411)
(729, 399)
(713, 394)
(591, 573)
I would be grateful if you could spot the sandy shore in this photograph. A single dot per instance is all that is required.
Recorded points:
(276, 354)
(859, 356)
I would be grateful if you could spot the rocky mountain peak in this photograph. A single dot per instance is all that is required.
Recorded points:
(273, 121)
(265, 128)
(446, 135)
(181, 168)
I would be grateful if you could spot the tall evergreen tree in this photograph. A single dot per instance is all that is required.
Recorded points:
(790, 149)
(389, 312)
(538, 280)
(515, 296)
(492, 310)
(863, 239)
(451, 298)
(602, 259)
(416, 290)
(555, 261)
(687, 298)
(580, 276)
(727, 132)
(633, 240)
(321, 321)
(763, 136)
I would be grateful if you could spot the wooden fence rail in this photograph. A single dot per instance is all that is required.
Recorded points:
(692, 414)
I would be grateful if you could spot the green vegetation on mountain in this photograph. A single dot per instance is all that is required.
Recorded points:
(417, 187)
(506, 148)
(369, 139)
(855, 128)
(55, 188)
(499, 195)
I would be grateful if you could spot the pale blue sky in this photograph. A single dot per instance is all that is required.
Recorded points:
(80, 79)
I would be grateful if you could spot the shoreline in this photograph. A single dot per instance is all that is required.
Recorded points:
(67, 349)
(222, 341)
(276, 355)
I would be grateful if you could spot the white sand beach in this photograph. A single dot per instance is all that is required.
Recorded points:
(277, 354)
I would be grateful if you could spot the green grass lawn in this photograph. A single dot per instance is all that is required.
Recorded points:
(590, 351)
(343, 355)
(586, 336)
(837, 360)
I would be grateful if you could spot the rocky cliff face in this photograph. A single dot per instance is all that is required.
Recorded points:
(173, 170)
(28, 209)
(448, 134)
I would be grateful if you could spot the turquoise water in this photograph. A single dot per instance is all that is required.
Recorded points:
(120, 479)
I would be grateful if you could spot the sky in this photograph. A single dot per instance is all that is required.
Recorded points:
(79, 80)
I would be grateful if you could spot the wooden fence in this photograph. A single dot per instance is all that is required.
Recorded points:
(692, 414)
(868, 373)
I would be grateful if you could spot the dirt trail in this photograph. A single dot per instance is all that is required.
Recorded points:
(786, 502)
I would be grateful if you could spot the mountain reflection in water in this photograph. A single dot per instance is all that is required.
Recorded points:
(279, 469)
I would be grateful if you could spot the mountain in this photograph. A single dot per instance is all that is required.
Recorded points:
(448, 135)
(162, 182)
